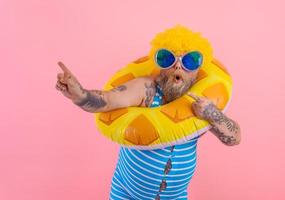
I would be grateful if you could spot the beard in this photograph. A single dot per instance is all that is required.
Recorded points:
(173, 85)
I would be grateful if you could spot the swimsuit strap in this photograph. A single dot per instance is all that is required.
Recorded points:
(157, 99)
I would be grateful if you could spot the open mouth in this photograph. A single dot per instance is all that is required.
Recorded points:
(177, 78)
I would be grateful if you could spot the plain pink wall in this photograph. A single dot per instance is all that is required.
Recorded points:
(51, 149)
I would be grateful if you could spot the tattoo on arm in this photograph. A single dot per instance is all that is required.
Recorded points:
(213, 114)
(150, 92)
(93, 101)
(221, 122)
(226, 139)
(120, 88)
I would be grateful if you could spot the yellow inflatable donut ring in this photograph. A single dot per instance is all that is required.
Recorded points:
(169, 124)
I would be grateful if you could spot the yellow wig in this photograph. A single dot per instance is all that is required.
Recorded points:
(180, 39)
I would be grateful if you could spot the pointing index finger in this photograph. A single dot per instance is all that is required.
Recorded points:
(64, 68)
(194, 96)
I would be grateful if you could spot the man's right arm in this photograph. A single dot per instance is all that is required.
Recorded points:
(136, 92)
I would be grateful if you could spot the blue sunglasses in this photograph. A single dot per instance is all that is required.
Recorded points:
(190, 61)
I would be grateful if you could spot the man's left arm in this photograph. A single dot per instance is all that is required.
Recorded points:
(226, 129)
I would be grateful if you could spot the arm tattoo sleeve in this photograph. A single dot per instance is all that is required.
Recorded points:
(120, 88)
(221, 122)
(213, 114)
(93, 101)
(229, 140)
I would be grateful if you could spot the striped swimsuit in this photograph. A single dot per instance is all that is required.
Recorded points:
(154, 174)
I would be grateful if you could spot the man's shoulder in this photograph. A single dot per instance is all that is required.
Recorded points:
(145, 85)
(146, 79)
(146, 82)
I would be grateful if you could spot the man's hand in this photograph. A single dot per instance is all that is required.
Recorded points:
(203, 107)
(69, 85)
(227, 130)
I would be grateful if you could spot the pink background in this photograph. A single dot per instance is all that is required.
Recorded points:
(51, 149)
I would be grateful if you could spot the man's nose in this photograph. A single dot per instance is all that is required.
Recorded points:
(177, 65)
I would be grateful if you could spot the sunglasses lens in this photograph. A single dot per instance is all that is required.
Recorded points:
(164, 58)
(192, 60)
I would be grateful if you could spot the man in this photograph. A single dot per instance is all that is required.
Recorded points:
(162, 173)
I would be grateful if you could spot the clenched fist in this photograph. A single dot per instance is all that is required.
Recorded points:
(69, 85)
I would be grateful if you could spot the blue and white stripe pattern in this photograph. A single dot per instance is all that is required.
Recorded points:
(154, 174)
